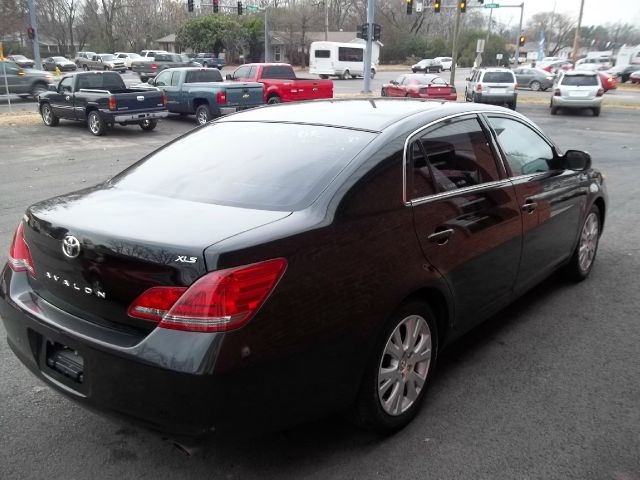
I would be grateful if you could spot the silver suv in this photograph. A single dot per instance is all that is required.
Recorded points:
(577, 89)
(492, 85)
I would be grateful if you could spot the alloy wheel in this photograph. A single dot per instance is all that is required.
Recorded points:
(94, 124)
(404, 366)
(588, 242)
(47, 116)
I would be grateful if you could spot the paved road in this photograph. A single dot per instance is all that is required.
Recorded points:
(350, 86)
(549, 389)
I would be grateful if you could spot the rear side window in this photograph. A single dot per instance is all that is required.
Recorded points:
(205, 75)
(244, 164)
(498, 77)
(579, 80)
(323, 53)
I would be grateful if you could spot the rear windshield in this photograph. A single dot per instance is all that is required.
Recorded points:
(279, 72)
(580, 80)
(498, 77)
(206, 75)
(101, 81)
(425, 80)
(270, 166)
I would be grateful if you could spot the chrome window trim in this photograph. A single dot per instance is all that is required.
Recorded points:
(460, 191)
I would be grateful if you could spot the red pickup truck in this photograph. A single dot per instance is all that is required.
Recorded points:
(281, 84)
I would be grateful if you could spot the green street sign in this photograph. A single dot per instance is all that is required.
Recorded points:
(491, 5)
(253, 8)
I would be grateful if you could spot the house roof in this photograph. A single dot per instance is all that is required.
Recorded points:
(283, 38)
(171, 38)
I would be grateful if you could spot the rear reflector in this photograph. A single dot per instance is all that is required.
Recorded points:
(479, 87)
(154, 66)
(164, 100)
(113, 103)
(19, 255)
(222, 97)
(556, 92)
(600, 92)
(219, 301)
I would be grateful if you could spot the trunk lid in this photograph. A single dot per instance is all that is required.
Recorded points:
(138, 99)
(241, 94)
(124, 243)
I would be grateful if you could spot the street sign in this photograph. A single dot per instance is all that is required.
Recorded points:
(419, 7)
(498, 56)
(480, 45)
(491, 5)
(253, 8)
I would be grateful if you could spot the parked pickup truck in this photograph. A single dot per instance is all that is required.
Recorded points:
(101, 99)
(202, 92)
(281, 84)
(147, 69)
(104, 61)
(209, 60)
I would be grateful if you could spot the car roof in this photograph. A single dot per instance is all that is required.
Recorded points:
(495, 69)
(374, 114)
(571, 73)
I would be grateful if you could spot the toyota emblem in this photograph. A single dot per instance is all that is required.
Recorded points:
(71, 246)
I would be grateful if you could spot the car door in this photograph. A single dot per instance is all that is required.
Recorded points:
(10, 77)
(395, 88)
(242, 74)
(62, 101)
(551, 198)
(466, 214)
(163, 82)
(524, 76)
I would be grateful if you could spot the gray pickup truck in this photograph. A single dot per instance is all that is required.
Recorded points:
(24, 82)
(150, 68)
(201, 91)
(104, 61)
(101, 99)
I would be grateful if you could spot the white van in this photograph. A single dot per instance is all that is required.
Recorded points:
(340, 59)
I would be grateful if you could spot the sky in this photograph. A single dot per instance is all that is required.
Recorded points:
(596, 12)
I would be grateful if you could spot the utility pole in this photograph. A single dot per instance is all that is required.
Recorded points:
(486, 38)
(36, 40)
(326, 20)
(454, 53)
(266, 33)
(517, 53)
(576, 38)
(367, 53)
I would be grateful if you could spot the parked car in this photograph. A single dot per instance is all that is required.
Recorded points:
(622, 72)
(82, 59)
(148, 69)
(202, 92)
(609, 82)
(635, 77)
(446, 62)
(288, 263)
(61, 63)
(21, 61)
(427, 65)
(577, 89)
(127, 58)
(101, 99)
(23, 82)
(533, 78)
(555, 66)
(209, 60)
(150, 54)
(419, 85)
(281, 83)
(594, 63)
(492, 85)
(104, 61)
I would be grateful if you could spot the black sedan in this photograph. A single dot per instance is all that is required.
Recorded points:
(61, 63)
(322, 270)
(21, 61)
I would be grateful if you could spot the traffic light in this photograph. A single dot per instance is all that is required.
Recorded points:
(364, 31)
(190, 5)
(216, 4)
(409, 7)
(463, 6)
(240, 10)
(31, 33)
(481, 2)
(436, 6)
(521, 40)
(377, 30)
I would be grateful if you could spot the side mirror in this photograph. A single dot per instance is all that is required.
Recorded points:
(52, 88)
(151, 82)
(229, 77)
(577, 160)
(393, 82)
(468, 79)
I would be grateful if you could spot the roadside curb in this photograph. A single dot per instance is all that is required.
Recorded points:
(11, 119)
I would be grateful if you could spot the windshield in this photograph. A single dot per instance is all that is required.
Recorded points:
(19, 57)
(60, 59)
(133, 55)
(244, 164)
(107, 57)
(424, 80)
(580, 80)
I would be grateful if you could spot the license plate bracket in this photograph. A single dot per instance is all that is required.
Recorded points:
(65, 361)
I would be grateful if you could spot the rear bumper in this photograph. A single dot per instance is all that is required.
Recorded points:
(564, 102)
(137, 117)
(496, 99)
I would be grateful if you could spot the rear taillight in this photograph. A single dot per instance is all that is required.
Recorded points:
(479, 87)
(556, 92)
(164, 100)
(19, 255)
(515, 87)
(154, 66)
(113, 103)
(453, 90)
(222, 97)
(600, 92)
(219, 301)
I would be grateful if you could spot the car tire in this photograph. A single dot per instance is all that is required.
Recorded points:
(383, 93)
(95, 122)
(324, 77)
(399, 370)
(37, 89)
(535, 86)
(205, 65)
(144, 79)
(354, 76)
(373, 74)
(274, 100)
(596, 111)
(414, 70)
(149, 124)
(554, 110)
(49, 119)
(584, 255)
(344, 75)
(203, 114)
(512, 105)
(85, 68)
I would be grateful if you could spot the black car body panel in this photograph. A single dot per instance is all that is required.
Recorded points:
(357, 246)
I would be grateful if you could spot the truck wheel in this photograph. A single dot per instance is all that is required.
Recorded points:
(596, 111)
(344, 75)
(86, 68)
(143, 79)
(383, 93)
(37, 89)
(148, 124)
(274, 99)
(205, 65)
(49, 119)
(96, 124)
(373, 74)
(554, 110)
(203, 114)
(324, 77)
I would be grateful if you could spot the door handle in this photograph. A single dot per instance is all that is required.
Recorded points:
(441, 237)
(529, 207)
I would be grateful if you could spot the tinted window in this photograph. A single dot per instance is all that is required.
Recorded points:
(252, 72)
(103, 81)
(66, 84)
(205, 75)
(250, 166)
(323, 54)
(162, 58)
(107, 58)
(421, 182)
(525, 151)
(348, 54)
(580, 80)
(498, 77)
(280, 71)
(459, 155)
(175, 78)
(242, 72)
(163, 79)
